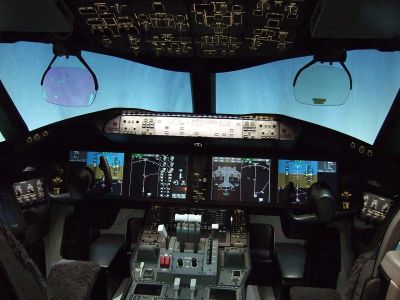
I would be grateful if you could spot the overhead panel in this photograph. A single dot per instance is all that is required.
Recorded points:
(179, 28)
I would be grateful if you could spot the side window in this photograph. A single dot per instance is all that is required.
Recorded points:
(398, 247)
(2, 139)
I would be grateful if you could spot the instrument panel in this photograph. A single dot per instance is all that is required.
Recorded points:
(158, 176)
(29, 192)
(230, 180)
(91, 160)
(375, 208)
(241, 179)
(258, 127)
(303, 173)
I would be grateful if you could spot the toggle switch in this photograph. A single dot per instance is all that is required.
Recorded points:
(180, 262)
(194, 262)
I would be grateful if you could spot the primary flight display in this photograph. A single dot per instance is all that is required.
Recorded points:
(91, 159)
(303, 173)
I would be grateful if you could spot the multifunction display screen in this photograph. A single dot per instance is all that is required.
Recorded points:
(158, 176)
(303, 173)
(91, 160)
(375, 207)
(241, 179)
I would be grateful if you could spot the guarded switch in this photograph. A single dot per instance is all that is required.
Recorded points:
(167, 262)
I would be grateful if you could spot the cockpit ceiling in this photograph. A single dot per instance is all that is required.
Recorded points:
(205, 29)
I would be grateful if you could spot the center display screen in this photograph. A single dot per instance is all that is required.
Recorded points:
(303, 173)
(79, 159)
(241, 179)
(158, 176)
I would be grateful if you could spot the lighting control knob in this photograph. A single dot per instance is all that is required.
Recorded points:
(194, 262)
(180, 262)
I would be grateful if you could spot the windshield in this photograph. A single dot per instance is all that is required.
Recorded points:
(2, 139)
(122, 83)
(262, 89)
(268, 89)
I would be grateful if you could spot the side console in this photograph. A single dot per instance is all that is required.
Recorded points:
(191, 254)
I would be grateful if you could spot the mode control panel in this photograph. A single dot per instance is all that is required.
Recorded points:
(217, 126)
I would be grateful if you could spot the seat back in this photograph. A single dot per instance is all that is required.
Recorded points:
(390, 240)
(363, 282)
(262, 238)
(361, 272)
(21, 277)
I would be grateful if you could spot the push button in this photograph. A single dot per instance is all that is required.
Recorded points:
(165, 261)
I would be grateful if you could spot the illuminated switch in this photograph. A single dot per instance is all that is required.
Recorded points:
(162, 261)
(167, 262)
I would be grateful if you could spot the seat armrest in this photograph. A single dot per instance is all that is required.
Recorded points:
(291, 260)
(70, 279)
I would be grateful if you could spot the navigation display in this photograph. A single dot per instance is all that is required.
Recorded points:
(91, 160)
(158, 176)
(375, 207)
(241, 179)
(303, 173)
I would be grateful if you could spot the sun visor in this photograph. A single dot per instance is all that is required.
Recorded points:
(367, 19)
(35, 16)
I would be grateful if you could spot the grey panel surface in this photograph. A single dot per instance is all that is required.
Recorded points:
(105, 248)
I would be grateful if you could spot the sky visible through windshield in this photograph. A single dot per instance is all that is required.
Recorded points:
(122, 84)
(268, 89)
(262, 89)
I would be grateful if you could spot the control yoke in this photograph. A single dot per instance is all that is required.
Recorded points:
(188, 230)
(323, 204)
(80, 184)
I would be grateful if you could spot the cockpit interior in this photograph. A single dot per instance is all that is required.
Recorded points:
(200, 150)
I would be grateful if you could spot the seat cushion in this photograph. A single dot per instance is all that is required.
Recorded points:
(309, 293)
(72, 280)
